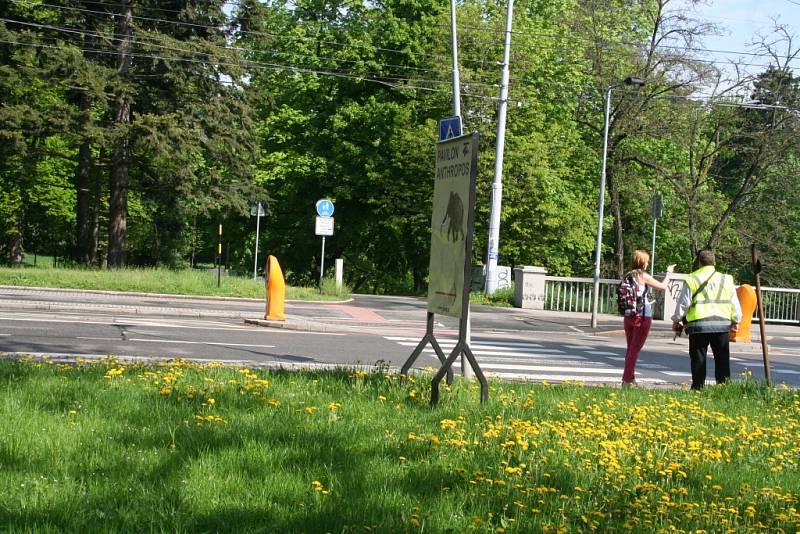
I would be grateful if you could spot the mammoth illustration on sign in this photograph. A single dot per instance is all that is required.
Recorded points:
(455, 211)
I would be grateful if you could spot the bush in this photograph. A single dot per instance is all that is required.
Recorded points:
(502, 297)
(329, 288)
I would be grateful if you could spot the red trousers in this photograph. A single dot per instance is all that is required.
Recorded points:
(636, 331)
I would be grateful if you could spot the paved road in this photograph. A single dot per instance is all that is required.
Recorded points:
(508, 343)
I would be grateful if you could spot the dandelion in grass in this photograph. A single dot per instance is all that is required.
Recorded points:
(319, 488)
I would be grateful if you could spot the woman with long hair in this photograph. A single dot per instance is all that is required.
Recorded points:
(637, 326)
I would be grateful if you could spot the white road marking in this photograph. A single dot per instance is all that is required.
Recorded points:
(786, 371)
(554, 368)
(477, 350)
(474, 343)
(601, 353)
(570, 378)
(177, 341)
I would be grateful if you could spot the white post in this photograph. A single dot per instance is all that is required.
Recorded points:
(456, 80)
(497, 185)
(258, 224)
(339, 272)
(322, 261)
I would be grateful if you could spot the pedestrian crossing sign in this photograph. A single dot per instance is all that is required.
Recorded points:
(449, 127)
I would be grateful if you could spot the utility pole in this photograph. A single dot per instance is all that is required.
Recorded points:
(456, 78)
(466, 368)
(497, 185)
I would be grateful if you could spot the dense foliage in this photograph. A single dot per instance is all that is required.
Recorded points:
(130, 130)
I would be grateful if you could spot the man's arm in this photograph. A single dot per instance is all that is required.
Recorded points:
(682, 303)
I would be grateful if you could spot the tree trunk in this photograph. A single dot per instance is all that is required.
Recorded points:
(118, 186)
(82, 191)
(616, 211)
(94, 236)
(15, 241)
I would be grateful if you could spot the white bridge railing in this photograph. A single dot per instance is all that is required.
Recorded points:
(575, 295)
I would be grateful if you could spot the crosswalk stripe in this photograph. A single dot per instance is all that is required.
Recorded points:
(554, 368)
(568, 378)
(513, 357)
(484, 346)
(495, 342)
(529, 361)
(478, 351)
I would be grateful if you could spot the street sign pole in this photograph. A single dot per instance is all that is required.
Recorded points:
(219, 256)
(323, 227)
(322, 261)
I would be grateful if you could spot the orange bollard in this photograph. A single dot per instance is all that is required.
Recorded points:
(747, 301)
(276, 291)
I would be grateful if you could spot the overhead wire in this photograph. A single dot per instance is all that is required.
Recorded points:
(293, 67)
(387, 81)
(571, 38)
(138, 40)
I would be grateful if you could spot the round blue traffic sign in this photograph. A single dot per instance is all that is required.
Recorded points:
(324, 207)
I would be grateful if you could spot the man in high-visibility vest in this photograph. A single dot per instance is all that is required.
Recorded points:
(709, 310)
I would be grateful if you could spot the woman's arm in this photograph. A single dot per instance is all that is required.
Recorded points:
(652, 282)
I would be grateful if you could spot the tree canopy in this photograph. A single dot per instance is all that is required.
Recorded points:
(131, 129)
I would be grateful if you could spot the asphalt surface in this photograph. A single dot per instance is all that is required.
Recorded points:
(362, 311)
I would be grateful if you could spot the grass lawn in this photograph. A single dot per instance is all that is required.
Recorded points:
(184, 282)
(180, 447)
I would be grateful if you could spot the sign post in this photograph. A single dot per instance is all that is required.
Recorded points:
(452, 224)
(258, 211)
(323, 226)
(760, 303)
(219, 256)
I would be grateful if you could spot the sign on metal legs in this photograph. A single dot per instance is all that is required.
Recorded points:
(452, 224)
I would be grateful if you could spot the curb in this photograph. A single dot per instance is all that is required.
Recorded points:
(176, 296)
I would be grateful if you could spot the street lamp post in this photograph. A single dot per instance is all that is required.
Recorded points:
(596, 292)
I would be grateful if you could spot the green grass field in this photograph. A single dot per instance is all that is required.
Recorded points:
(179, 447)
(183, 282)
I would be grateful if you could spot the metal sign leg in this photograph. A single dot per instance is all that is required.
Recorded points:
(427, 338)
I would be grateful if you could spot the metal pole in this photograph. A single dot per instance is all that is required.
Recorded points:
(322, 262)
(653, 248)
(456, 79)
(466, 369)
(258, 223)
(497, 185)
(219, 256)
(761, 324)
(599, 245)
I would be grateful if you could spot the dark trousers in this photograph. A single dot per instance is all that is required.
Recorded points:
(698, 348)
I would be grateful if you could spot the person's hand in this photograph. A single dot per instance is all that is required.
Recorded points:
(671, 268)
(734, 327)
(677, 327)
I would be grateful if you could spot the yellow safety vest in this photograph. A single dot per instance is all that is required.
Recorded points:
(715, 300)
